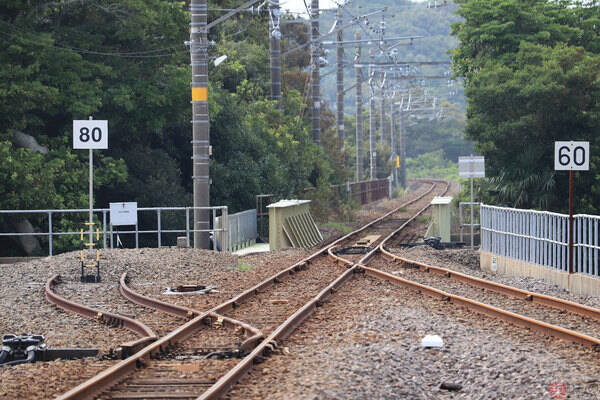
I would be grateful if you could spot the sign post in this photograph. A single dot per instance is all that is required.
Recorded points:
(471, 167)
(571, 156)
(90, 134)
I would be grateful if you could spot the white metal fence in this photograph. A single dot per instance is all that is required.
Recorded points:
(106, 230)
(242, 230)
(541, 237)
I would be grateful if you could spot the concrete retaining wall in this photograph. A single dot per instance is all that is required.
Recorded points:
(579, 284)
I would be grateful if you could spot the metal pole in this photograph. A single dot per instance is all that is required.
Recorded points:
(200, 121)
(158, 227)
(104, 228)
(91, 198)
(315, 74)
(359, 114)
(472, 222)
(50, 233)
(571, 221)
(382, 130)
(393, 143)
(340, 81)
(187, 226)
(275, 51)
(372, 144)
(402, 143)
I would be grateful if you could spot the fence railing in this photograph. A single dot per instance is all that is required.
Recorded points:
(541, 237)
(241, 233)
(107, 229)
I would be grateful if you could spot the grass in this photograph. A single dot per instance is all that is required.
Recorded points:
(339, 227)
(242, 266)
(422, 218)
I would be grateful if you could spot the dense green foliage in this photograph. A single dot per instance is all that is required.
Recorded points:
(125, 61)
(531, 70)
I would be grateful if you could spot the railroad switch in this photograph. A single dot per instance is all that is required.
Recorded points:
(435, 243)
(21, 349)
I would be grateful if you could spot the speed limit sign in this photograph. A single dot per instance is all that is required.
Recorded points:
(90, 134)
(573, 156)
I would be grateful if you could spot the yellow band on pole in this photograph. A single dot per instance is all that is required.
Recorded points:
(92, 244)
(397, 161)
(97, 233)
(97, 255)
(82, 258)
(82, 234)
(89, 223)
(199, 94)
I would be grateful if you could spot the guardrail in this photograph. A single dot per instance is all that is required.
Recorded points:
(107, 231)
(242, 231)
(541, 237)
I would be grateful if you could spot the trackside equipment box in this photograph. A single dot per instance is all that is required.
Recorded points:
(291, 225)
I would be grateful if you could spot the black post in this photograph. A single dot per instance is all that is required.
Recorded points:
(570, 221)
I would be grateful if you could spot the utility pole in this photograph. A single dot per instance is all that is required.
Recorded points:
(393, 141)
(340, 81)
(372, 133)
(275, 50)
(382, 117)
(200, 121)
(315, 74)
(402, 143)
(359, 115)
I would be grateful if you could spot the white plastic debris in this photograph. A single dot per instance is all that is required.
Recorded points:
(432, 341)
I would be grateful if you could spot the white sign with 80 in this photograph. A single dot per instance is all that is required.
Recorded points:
(90, 134)
(572, 156)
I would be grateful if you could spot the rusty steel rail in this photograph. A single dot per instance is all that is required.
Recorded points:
(146, 334)
(155, 304)
(254, 335)
(116, 373)
(222, 386)
(516, 319)
(482, 308)
(563, 305)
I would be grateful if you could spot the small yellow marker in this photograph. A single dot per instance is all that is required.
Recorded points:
(199, 94)
(89, 223)
(92, 244)
(97, 233)
(82, 258)
(397, 161)
(97, 255)
(82, 234)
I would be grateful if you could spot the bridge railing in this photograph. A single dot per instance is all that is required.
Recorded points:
(541, 237)
(106, 229)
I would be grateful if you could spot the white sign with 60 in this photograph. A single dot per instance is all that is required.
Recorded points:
(572, 156)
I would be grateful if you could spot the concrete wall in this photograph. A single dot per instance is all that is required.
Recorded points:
(579, 284)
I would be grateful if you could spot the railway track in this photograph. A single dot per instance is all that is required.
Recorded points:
(208, 344)
(207, 355)
(545, 314)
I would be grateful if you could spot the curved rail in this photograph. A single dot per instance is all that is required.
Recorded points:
(482, 308)
(263, 349)
(519, 320)
(254, 335)
(141, 329)
(112, 375)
